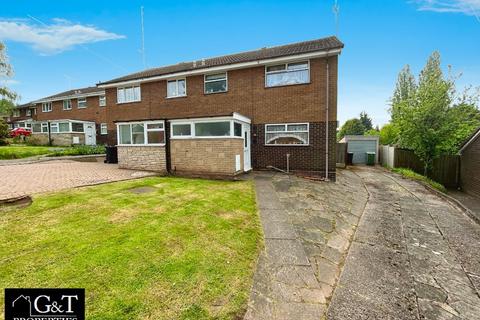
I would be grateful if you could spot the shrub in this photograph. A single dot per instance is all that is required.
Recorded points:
(4, 132)
(78, 150)
(407, 173)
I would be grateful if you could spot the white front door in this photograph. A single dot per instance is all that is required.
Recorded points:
(90, 138)
(247, 164)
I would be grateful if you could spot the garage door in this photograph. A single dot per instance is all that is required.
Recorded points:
(360, 149)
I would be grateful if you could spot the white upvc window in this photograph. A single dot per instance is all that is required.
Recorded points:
(44, 127)
(16, 113)
(81, 103)
(47, 107)
(287, 74)
(287, 134)
(67, 104)
(141, 133)
(53, 127)
(200, 128)
(176, 88)
(102, 101)
(215, 83)
(28, 112)
(103, 128)
(129, 94)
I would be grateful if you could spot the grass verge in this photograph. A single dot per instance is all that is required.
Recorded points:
(407, 173)
(184, 250)
(23, 151)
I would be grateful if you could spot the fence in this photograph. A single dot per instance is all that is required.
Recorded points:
(444, 169)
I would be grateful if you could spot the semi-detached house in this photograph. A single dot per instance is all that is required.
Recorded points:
(223, 116)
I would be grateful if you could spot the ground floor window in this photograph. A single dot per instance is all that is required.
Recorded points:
(201, 128)
(141, 133)
(287, 134)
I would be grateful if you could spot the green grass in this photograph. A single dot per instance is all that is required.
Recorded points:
(78, 150)
(187, 250)
(22, 151)
(407, 173)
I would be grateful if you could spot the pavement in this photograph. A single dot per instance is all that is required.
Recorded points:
(414, 256)
(370, 246)
(472, 203)
(308, 227)
(19, 179)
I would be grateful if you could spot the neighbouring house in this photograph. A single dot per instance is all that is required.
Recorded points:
(360, 146)
(226, 115)
(470, 164)
(72, 117)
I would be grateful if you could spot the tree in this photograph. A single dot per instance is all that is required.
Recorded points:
(7, 96)
(351, 127)
(4, 132)
(366, 121)
(426, 115)
(389, 134)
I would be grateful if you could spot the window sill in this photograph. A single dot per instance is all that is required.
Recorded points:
(218, 92)
(176, 97)
(81, 107)
(128, 102)
(141, 145)
(67, 109)
(288, 85)
(286, 145)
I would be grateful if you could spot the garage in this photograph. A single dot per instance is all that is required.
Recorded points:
(360, 146)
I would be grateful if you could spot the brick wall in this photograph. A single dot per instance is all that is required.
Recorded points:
(58, 139)
(150, 158)
(208, 156)
(309, 158)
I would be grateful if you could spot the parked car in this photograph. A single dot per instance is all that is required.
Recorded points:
(20, 132)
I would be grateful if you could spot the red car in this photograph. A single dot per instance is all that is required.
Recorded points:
(20, 132)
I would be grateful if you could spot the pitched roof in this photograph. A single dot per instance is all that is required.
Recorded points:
(73, 92)
(323, 44)
(470, 139)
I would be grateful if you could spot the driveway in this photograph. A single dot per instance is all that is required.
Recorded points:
(370, 246)
(25, 179)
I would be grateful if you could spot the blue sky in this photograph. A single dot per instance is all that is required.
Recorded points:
(58, 45)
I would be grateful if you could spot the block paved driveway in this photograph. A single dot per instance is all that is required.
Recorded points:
(25, 179)
(370, 246)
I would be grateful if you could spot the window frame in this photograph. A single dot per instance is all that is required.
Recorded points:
(28, 112)
(176, 82)
(286, 124)
(145, 133)
(47, 104)
(124, 96)
(103, 128)
(70, 103)
(193, 135)
(83, 106)
(104, 99)
(16, 113)
(205, 81)
(286, 71)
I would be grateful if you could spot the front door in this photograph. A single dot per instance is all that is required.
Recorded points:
(247, 164)
(90, 138)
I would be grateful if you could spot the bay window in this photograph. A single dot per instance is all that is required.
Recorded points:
(287, 74)
(176, 88)
(287, 134)
(141, 133)
(128, 94)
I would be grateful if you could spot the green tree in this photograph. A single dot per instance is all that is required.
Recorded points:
(366, 121)
(4, 132)
(389, 134)
(426, 114)
(351, 127)
(7, 96)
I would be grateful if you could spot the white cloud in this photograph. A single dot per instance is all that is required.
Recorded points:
(468, 7)
(9, 82)
(54, 38)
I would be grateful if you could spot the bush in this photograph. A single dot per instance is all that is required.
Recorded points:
(78, 150)
(407, 173)
(4, 132)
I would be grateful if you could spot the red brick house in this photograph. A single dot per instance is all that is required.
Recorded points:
(470, 164)
(229, 114)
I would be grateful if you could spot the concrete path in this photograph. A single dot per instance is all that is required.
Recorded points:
(308, 227)
(414, 256)
(470, 202)
(25, 179)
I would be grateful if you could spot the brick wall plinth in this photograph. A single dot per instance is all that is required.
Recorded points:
(151, 158)
(208, 156)
(58, 139)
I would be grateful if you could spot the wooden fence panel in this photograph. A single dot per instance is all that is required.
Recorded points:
(445, 170)
(407, 159)
(341, 153)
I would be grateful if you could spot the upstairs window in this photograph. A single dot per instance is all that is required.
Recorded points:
(102, 101)
(46, 107)
(287, 74)
(67, 104)
(82, 103)
(216, 83)
(287, 134)
(28, 112)
(128, 94)
(176, 88)
(16, 113)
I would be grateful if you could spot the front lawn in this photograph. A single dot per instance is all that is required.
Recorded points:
(23, 151)
(173, 249)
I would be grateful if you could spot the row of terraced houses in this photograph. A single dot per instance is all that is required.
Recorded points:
(272, 107)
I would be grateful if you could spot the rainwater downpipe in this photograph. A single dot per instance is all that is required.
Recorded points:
(327, 118)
